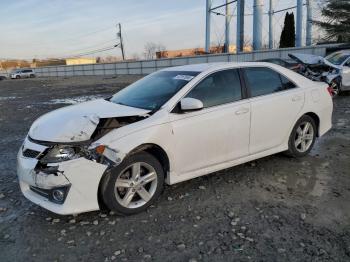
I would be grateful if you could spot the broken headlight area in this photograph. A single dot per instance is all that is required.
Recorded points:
(60, 153)
(105, 155)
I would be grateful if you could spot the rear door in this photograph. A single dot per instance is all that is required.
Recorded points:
(275, 104)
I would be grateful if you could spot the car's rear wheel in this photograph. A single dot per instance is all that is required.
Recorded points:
(134, 185)
(303, 137)
(32, 76)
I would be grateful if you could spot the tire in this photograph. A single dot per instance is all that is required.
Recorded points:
(301, 143)
(18, 77)
(31, 76)
(134, 194)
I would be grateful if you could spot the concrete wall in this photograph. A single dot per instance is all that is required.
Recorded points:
(150, 66)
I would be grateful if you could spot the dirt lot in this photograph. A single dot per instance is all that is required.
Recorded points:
(273, 209)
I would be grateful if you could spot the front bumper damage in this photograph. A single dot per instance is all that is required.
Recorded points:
(78, 178)
(59, 166)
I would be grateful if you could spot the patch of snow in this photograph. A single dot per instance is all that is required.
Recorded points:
(3, 98)
(74, 100)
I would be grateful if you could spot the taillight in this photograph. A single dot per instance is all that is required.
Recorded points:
(330, 91)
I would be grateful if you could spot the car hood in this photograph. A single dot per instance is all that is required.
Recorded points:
(77, 123)
(307, 59)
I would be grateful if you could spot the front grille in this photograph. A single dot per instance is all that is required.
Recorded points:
(31, 153)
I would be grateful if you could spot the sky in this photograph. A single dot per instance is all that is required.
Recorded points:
(63, 28)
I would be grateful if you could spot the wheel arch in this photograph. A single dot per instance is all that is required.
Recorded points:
(316, 118)
(157, 151)
(153, 149)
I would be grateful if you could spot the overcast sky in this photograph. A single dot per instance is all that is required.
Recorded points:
(62, 28)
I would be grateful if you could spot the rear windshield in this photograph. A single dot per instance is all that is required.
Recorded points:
(154, 90)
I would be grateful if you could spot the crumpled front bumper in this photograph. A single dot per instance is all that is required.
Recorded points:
(81, 175)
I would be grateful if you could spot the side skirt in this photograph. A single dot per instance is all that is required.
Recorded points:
(176, 178)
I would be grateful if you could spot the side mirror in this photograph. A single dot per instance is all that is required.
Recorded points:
(190, 104)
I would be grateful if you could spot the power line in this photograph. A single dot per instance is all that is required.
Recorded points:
(91, 52)
(219, 6)
(93, 46)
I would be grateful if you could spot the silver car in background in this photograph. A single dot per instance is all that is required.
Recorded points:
(22, 73)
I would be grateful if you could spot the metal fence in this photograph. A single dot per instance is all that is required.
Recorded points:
(149, 66)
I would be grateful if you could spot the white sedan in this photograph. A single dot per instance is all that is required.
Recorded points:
(171, 126)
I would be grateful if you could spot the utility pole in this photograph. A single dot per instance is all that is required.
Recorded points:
(271, 24)
(207, 26)
(240, 26)
(257, 24)
(308, 23)
(227, 27)
(119, 35)
(299, 30)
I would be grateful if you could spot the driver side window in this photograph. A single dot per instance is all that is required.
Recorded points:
(218, 88)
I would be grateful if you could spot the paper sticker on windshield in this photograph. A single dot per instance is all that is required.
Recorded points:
(184, 77)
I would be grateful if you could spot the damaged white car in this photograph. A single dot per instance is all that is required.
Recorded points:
(333, 69)
(171, 126)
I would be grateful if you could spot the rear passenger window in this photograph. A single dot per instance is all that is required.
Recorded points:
(264, 81)
(219, 88)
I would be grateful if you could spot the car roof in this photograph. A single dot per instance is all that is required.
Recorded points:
(218, 65)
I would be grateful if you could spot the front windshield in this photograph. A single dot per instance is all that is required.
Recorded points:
(154, 90)
(337, 58)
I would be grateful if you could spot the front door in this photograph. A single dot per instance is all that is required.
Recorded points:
(217, 133)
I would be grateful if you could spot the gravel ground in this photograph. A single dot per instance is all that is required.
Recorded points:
(273, 209)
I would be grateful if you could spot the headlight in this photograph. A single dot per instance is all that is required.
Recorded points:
(61, 153)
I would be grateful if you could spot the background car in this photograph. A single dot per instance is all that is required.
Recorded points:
(282, 62)
(333, 69)
(23, 73)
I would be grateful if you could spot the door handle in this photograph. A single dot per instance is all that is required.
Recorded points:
(296, 98)
(242, 111)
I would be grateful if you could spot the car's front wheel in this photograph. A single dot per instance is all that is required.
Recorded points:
(335, 86)
(303, 137)
(18, 77)
(134, 185)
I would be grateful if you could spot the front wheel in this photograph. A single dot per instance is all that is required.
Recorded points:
(134, 185)
(335, 87)
(302, 138)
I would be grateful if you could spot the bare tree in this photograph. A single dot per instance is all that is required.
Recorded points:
(151, 49)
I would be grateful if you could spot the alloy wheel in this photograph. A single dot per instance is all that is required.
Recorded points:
(304, 137)
(334, 88)
(136, 185)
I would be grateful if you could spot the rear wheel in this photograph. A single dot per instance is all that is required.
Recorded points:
(134, 185)
(303, 137)
(32, 76)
